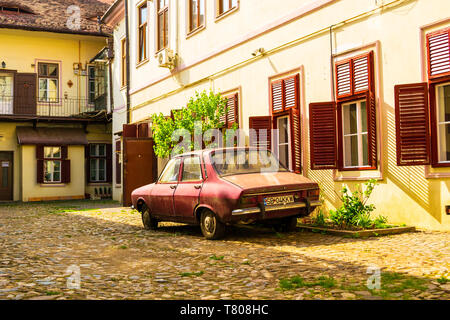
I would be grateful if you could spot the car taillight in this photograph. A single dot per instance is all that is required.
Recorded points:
(314, 194)
(249, 202)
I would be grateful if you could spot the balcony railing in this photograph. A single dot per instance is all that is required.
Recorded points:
(80, 108)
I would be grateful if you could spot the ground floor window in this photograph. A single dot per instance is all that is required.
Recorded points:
(98, 162)
(443, 121)
(283, 141)
(355, 134)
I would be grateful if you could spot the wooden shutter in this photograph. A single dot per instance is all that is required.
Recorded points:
(412, 124)
(285, 94)
(362, 73)
(129, 131)
(438, 45)
(64, 152)
(261, 135)
(118, 166)
(344, 79)
(39, 164)
(232, 111)
(322, 126)
(372, 129)
(87, 154)
(65, 171)
(109, 177)
(296, 141)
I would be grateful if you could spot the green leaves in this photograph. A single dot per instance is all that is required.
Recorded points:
(202, 113)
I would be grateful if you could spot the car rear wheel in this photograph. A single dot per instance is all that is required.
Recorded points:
(149, 222)
(212, 228)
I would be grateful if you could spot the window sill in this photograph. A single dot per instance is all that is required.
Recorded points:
(441, 165)
(99, 184)
(195, 31)
(160, 50)
(51, 185)
(140, 64)
(118, 186)
(226, 14)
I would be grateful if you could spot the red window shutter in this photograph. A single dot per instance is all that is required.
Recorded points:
(261, 135)
(372, 130)
(87, 152)
(296, 140)
(232, 114)
(65, 171)
(277, 96)
(129, 131)
(291, 94)
(322, 126)
(344, 79)
(64, 152)
(362, 73)
(412, 124)
(143, 130)
(40, 171)
(118, 166)
(39, 152)
(438, 45)
(109, 177)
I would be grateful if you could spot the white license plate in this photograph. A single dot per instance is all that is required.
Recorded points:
(278, 200)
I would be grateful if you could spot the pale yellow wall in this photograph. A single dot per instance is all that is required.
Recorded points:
(9, 143)
(20, 49)
(31, 189)
(404, 194)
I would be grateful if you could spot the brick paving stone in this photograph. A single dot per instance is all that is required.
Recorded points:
(43, 243)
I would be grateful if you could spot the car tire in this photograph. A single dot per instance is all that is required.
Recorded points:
(212, 228)
(147, 220)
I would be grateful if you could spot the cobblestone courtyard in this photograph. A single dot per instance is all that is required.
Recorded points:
(118, 259)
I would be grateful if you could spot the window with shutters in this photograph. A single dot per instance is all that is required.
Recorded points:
(280, 132)
(356, 110)
(231, 116)
(443, 122)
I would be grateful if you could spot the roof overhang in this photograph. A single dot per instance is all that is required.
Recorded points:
(114, 14)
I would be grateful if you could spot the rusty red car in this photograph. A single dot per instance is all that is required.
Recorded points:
(222, 187)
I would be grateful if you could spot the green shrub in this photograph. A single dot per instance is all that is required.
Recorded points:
(319, 219)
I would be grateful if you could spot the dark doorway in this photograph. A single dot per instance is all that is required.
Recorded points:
(139, 165)
(6, 175)
(25, 94)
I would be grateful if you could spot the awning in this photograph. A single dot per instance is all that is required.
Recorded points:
(51, 136)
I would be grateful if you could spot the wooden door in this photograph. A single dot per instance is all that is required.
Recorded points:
(139, 166)
(6, 176)
(25, 92)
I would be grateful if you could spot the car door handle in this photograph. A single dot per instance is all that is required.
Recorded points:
(198, 186)
(173, 187)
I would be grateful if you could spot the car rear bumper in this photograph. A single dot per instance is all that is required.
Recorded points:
(281, 207)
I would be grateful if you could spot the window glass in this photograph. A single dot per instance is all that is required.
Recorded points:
(52, 171)
(192, 170)
(354, 118)
(52, 152)
(283, 141)
(171, 172)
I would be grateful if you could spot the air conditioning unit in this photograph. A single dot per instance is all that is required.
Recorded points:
(167, 59)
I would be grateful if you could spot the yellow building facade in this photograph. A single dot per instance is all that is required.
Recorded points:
(342, 57)
(53, 109)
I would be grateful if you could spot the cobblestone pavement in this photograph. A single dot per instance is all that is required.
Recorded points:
(118, 259)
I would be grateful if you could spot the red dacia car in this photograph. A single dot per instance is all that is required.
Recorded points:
(216, 188)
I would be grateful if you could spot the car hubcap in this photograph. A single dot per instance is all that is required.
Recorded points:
(209, 224)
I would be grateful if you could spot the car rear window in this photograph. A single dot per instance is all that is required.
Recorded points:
(232, 162)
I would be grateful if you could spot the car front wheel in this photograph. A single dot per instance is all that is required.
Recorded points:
(212, 228)
(149, 222)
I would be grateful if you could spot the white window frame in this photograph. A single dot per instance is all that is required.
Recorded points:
(57, 79)
(277, 139)
(358, 133)
(440, 123)
(96, 158)
(48, 160)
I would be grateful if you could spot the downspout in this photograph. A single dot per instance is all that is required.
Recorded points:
(127, 58)
(332, 62)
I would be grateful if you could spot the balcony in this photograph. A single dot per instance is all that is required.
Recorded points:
(13, 107)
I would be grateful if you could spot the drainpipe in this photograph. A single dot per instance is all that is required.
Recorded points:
(127, 42)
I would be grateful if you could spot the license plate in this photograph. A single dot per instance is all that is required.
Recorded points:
(278, 200)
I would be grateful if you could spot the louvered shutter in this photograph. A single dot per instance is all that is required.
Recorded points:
(277, 96)
(322, 126)
(64, 152)
(232, 111)
(438, 53)
(296, 140)
(261, 132)
(109, 177)
(372, 129)
(412, 124)
(362, 73)
(344, 79)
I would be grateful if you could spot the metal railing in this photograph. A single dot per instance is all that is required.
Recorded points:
(52, 108)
